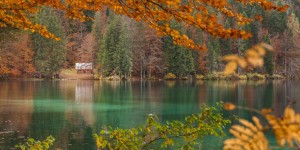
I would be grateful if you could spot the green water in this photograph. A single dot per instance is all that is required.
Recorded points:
(72, 111)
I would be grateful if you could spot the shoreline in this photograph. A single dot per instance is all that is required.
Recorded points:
(205, 78)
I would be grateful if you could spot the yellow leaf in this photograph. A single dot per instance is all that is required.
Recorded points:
(229, 106)
(230, 68)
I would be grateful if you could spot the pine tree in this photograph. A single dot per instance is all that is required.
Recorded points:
(213, 54)
(180, 60)
(89, 23)
(124, 52)
(226, 44)
(268, 60)
(112, 38)
(275, 22)
(49, 54)
(115, 48)
(100, 37)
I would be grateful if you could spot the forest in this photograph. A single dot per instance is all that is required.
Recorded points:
(119, 45)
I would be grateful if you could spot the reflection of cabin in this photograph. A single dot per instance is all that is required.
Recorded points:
(84, 91)
(84, 68)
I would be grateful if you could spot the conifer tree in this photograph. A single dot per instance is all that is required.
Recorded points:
(112, 38)
(268, 60)
(180, 60)
(116, 52)
(275, 22)
(49, 54)
(100, 37)
(124, 52)
(89, 23)
(213, 54)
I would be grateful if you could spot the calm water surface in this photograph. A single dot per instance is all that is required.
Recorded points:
(72, 111)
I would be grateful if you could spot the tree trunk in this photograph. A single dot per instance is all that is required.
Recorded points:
(141, 72)
(149, 72)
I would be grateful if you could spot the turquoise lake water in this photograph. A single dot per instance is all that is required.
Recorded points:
(72, 111)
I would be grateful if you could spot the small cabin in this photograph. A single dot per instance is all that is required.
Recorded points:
(84, 68)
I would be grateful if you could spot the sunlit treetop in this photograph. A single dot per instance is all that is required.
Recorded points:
(158, 14)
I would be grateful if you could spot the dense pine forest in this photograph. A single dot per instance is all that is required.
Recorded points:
(120, 46)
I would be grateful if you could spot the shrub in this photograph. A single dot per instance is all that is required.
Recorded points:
(111, 78)
(152, 78)
(236, 77)
(184, 78)
(275, 77)
(199, 77)
(255, 76)
(243, 77)
(170, 76)
(215, 76)
(154, 135)
(32, 144)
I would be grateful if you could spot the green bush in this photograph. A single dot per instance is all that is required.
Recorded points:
(184, 78)
(172, 135)
(111, 78)
(236, 77)
(199, 77)
(32, 144)
(152, 78)
(275, 77)
(215, 76)
(170, 76)
(243, 77)
(211, 76)
(220, 76)
(255, 76)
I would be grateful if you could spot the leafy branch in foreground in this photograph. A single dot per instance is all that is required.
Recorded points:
(32, 144)
(184, 134)
(249, 136)
(158, 14)
(253, 57)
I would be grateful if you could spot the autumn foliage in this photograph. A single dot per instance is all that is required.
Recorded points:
(252, 136)
(253, 57)
(16, 57)
(171, 135)
(156, 13)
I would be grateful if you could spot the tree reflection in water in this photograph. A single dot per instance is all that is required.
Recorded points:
(72, 110)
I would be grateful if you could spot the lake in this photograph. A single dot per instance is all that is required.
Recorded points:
(72, 111)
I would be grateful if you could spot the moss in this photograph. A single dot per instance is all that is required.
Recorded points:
(152, 78)
(220, 76)
(275, 77)
(183, 78)
(256, 76)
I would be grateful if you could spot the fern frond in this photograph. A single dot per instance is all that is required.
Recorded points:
(247, 136)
